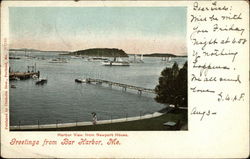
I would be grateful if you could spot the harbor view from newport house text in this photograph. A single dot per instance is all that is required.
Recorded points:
(98, 69)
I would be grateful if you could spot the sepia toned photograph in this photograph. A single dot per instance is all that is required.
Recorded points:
(98, 69)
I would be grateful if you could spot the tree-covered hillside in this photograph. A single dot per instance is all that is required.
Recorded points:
(105, 52)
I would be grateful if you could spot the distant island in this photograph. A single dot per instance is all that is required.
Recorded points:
(23, 49)
(35, 50)
(105, 52)
(159, 55)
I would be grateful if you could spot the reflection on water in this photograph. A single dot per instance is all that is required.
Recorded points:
(63, 100)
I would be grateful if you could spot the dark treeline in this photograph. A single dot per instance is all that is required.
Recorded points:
(105, 52)
(172, 87)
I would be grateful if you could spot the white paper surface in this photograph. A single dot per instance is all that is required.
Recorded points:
(218, 111)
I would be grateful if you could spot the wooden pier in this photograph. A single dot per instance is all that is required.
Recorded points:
(123, 86)
(31, 71)
(22, 75)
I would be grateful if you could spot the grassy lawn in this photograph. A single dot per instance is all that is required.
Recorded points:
(139, 125)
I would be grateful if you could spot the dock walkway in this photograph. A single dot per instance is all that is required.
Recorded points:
(124, 86)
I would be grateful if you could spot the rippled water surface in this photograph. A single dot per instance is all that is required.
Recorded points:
(63, 100)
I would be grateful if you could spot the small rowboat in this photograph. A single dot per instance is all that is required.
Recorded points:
(41, 81)
(80, 80)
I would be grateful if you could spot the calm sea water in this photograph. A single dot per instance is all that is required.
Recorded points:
(62, 100)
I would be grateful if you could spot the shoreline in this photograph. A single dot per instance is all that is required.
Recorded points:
(89, 123)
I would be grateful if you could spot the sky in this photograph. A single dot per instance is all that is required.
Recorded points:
(133, 29)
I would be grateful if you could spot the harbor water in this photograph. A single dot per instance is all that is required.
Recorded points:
(62, 100)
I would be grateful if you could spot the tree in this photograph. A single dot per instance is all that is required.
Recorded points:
(172, 87)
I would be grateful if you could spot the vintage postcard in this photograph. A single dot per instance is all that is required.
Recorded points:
(119, 79)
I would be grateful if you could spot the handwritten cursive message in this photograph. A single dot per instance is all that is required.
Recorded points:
(217, 38)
